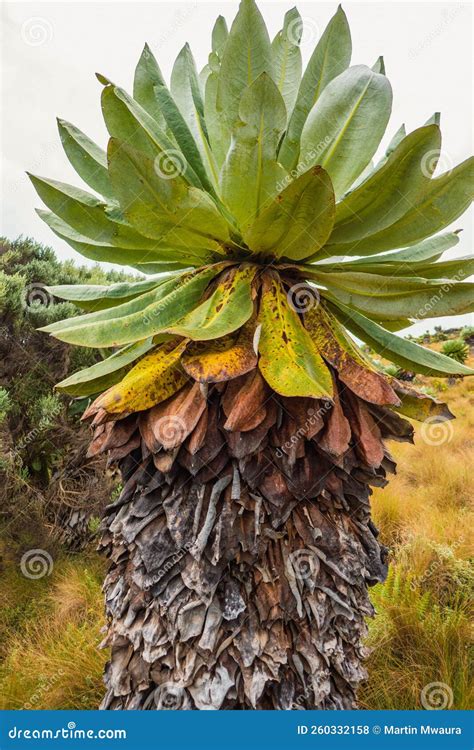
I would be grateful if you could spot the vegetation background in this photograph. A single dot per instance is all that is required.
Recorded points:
(51, 498)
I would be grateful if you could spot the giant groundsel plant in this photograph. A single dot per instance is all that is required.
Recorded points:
(247, 421)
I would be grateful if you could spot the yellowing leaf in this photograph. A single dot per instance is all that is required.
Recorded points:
(152, 380)
(223, 359)
(353, 368)
(289, 361)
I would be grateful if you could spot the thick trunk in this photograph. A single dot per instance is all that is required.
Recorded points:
(241, 558)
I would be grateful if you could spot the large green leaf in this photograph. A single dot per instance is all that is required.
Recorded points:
(345, 126)
(150, 256)
(298, 220)
(134, 321)
(392, 190)
(402, 352)
(183, 135)
(147, 76)
(433, 298)
(87, 215)
(226, 310)
(219, 135)
(99, 297)
(246, 55)
(289, 361)
(186, 91)
(287, 57)
(166, 209)
(443, 200)
(251, 176)
(88, 159)
(331, 57)
(220, 34)
(426, 251)
(104, 374)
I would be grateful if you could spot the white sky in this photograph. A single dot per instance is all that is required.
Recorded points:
(51, 50)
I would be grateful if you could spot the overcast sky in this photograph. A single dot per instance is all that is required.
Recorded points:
(51, 51)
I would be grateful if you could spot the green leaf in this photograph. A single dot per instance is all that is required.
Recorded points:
(379, 66)
(390, 191)
(298, 221)
(434, 298)
(427, 250)
(287, 57)
(100, 297)
(226, 310)
(166, 209)
(88, 159)
(289, 361)
(402, 352)
(247, 54)
(331, 57)
(147, 76)
(140, 318)
(251, 176)
(87, 215)
(187, 95)
(219, 134)
(220, 35)
(418, 406)
(444, 199)
(104, 374)
(457, 268)
(345, 126)
(183, 136)
(155, 253)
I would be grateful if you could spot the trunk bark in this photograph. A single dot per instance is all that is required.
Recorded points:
(241, 557)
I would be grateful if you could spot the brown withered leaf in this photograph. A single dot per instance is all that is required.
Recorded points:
(121, 432)
(173, 420)
(197, 437)
(121, 451)
(341, 352)
(244, 402)
(337, 434)
(367, 435)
